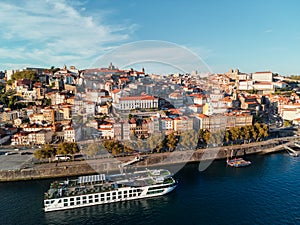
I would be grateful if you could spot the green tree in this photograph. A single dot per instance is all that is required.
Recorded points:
(206, 136)
(47, 152)
(25, 74)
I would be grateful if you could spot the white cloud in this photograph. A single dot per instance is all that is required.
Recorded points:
(54, 33)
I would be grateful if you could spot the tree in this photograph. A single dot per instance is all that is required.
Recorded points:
(227, 136)
(206, 136)
(171, 141)
(63, 148)
(189, 140)
(153, 141)
(25, 74)
(47, 152)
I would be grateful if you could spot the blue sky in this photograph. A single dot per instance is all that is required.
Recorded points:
(250, 35)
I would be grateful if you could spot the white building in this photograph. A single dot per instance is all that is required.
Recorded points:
(69, 134)
(263, 76)
(142, 102)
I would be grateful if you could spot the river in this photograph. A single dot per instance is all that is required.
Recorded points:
(267, 192)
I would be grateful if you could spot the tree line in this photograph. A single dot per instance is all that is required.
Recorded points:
(49, 151)
(156, 143)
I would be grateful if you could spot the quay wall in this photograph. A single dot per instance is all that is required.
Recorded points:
(68, 169)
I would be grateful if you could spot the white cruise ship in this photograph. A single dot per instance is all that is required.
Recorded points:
(102, 189)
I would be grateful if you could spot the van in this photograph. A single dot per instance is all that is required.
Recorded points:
(62, 158)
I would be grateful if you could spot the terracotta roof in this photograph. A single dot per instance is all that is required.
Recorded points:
(263, 72)
(116, 91)
(203, 116)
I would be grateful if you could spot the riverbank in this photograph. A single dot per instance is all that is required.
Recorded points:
(91, 166)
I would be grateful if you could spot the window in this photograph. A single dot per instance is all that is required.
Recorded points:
(65, 204)
(77, 198)
(90, 197)
(65, 200)
(72, 199)
(96, 199)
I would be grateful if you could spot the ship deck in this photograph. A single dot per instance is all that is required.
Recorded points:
(102, 183)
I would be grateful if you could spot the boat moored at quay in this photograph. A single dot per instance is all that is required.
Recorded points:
(238, 162)
(102, 189)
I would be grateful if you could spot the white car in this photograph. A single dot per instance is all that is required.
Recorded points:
(62, 158)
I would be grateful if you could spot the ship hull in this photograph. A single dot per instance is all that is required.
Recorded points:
(119, 195)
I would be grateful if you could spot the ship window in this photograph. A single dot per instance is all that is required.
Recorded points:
(125, 192)
(65, 204)
(78, 203)
(130, 195)
(114, 193)
(71, 199)
(84, 201)
(77, 198)
(65, 200)
(102, 195)
(108, 194)
(59, 201)
(102, 199)
(90, 197)
(130, 191)
(120, 192)
(91, 201)
(97, 200)
(47, 202)
(108, 199)
(84, 197)
(125, 196)
(71, 203)
(114, 198)
(96, 196)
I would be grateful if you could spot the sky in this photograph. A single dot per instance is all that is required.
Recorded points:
(250, 35)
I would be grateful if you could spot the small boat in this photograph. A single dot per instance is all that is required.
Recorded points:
(238, 162)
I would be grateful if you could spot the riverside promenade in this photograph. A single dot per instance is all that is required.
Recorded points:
(30, 171)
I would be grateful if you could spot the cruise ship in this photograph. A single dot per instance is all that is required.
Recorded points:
(102, 189)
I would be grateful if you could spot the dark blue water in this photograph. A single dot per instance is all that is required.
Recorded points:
(267, 192)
